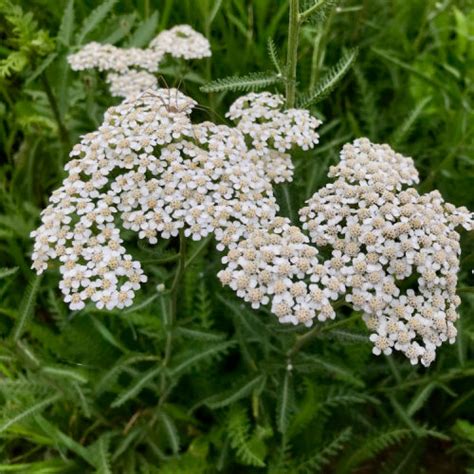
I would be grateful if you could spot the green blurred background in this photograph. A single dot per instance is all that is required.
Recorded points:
(80, 392)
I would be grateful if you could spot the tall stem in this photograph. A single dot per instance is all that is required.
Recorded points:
(174, 296)
(292, 53)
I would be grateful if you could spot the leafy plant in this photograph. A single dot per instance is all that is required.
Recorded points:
(221, 387)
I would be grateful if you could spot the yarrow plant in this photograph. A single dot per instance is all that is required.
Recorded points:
(130, 71)
(367, 239)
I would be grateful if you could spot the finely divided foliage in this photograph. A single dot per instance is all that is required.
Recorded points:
(231, 257)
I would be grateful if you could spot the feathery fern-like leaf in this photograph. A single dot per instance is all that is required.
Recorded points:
(171, 432)
(238, 432)
(101, 454)
(144, 32)
(284, 403)
(316, 11)
(249, 82)
(28, 412)
(197, 355)
(6, 272)
(330, 80)
(26, 308)
(67, 24)
(228, 397)
(94, 19)
(368, 110)
(314, 463)
(403, 131)
(136, 387)
(273, 54)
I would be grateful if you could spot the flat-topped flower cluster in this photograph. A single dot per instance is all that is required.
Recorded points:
(130, 71)
(148, 169)
(393, 254)
(367, 239)
(272, 130)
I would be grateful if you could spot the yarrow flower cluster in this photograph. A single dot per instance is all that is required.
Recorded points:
(182, 41)
(277, 265)
(131, 83)
(130, 70)
(394, 255)
(272, 131)
(395, 251)
(107, 57)
(150, 170)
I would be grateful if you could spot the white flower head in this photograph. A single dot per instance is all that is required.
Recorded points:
(150, 170)
(182, 41)
(272, 130)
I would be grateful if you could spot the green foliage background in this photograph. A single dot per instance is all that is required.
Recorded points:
(88, 392)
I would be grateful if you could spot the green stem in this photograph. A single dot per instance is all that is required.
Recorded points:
(198, 250)
(174, 296)
(292, 53)
(307, 337)
(466, 289)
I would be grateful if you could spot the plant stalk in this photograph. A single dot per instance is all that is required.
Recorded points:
(308, 336)
(292, 53)
(174, 296)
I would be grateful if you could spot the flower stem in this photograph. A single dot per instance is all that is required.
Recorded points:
(171, 317)
(292, 53)
(308, 336)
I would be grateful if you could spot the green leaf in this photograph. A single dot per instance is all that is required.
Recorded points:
(284, 404)
(317, 11)
(120, 27)
(171, 431)
(238, 431)
(51, 466)
(67, 24)
(30, 411)
(41, 68)
(145, 32)
(102, 455)
(339, 371)
(61, 439)
(212, 15)
(464, 429)
(231, 396)
(420, 398)
(136, 387)
(403, 131)
(108, 336)
(6, 272)
(197, 335)
(110, 377)
(197, 356)
(315, 463)
(249, 82)
(273, 53)
(330, 80)
(94, 19)
(26, 308)
(67, 372)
